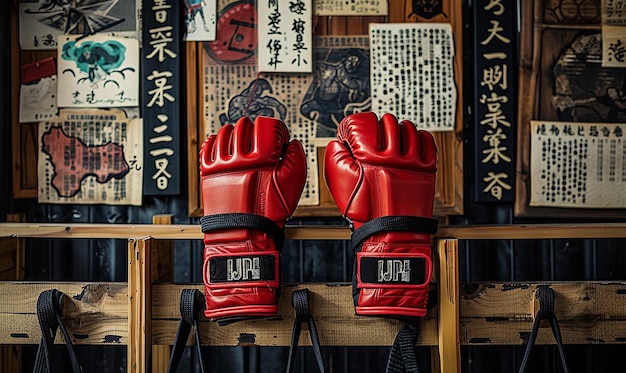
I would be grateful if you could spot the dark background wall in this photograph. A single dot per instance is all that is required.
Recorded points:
(311, 261)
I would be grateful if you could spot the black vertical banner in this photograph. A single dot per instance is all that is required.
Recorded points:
(161, 96)
(495, 91)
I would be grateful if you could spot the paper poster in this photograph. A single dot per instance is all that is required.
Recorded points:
(38, 91)
(584, 90)
(578, 165)
(91, 157)
(98, 71)
(42, 22)
(351, 8)
(200, 20)
(613, 33)
(412, 73)
(311, 105)
(285, 30)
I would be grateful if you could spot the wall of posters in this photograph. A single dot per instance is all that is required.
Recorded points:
(310, 104)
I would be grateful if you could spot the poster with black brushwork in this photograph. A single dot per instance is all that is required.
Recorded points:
(42, 22)
(311, 104)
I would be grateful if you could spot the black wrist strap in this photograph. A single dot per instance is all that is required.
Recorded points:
(49, 312)
(402, 357)
(415, 224)
(545, 296)
(243, 220)
(191, 304)
(300, 302)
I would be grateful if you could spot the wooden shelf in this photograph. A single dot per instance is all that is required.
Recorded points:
(143, 313)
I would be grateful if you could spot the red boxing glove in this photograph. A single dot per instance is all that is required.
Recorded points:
(382, 177)
(252, 177)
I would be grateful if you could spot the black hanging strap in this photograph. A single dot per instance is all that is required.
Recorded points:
(415, 224)
(545, 296)
(402, 356)
(49, 312)
(300, 302)
(191, 304)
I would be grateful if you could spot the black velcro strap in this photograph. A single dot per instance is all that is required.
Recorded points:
(49, 311)
(191, 304)
(243, 220)
(415, 224)
(392, 270)
(242, 268)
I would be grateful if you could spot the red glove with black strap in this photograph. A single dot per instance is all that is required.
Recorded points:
(382, 177)
(252, 177)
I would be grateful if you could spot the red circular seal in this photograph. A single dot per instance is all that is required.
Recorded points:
(236, 34)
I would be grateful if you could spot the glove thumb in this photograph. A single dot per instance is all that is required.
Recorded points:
(342, 174)
(291, 174)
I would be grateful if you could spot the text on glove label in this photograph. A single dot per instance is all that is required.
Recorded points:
(241, 268)
(393, 270)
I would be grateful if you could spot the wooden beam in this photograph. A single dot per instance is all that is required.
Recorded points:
(502, 314)
(95, 313)
(331, 307)
(313, 232)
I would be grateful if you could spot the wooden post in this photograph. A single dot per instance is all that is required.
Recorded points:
(140, 311)
(449, 339)
(162, 270)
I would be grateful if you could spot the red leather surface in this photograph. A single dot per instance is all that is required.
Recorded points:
(249, 167)
(379, 168)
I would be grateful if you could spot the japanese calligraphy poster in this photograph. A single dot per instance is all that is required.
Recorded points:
(161, 96)
(91, 157)
(351, 8)
(285, 30)
(98, 71)
(494, 101)
(412, 73)
(578, 164)
(312, 105)
(200, 18)
(43, 22)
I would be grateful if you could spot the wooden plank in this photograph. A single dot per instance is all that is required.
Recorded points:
(449, 339)
(573, 301)
(161, 270)
(331, 307)
(195, 124)
(313, 232)
(95, 313)
(482, 332)
(588, 313)
(139, 313)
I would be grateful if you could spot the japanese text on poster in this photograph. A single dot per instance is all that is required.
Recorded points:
(285, 30)
(578, 164)
(412, 74)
